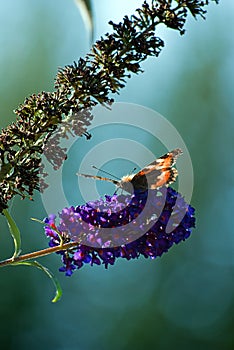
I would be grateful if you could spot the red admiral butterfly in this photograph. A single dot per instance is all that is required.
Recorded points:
(158, 173)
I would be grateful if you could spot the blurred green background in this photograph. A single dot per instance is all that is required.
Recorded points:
(184, 299)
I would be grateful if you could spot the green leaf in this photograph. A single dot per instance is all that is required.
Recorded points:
(58, 292)
(15, 232)
(87, 14)
(53, 228)
(38, 220)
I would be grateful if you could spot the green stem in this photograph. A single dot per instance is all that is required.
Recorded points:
(38, 253)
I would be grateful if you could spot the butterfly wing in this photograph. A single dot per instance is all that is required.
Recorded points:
(158, 173)
(99, 178)
(164, 162)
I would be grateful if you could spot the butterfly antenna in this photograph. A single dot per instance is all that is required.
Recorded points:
(134, 169)
(105, 172)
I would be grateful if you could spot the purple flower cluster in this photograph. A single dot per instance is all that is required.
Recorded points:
(125, 226)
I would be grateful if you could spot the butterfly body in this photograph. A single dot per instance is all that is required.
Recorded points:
(158, 173)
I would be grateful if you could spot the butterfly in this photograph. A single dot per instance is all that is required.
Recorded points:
(158, 173)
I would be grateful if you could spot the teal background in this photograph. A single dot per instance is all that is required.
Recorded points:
(184, 299)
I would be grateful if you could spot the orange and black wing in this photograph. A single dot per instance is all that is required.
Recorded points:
(158, 173)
